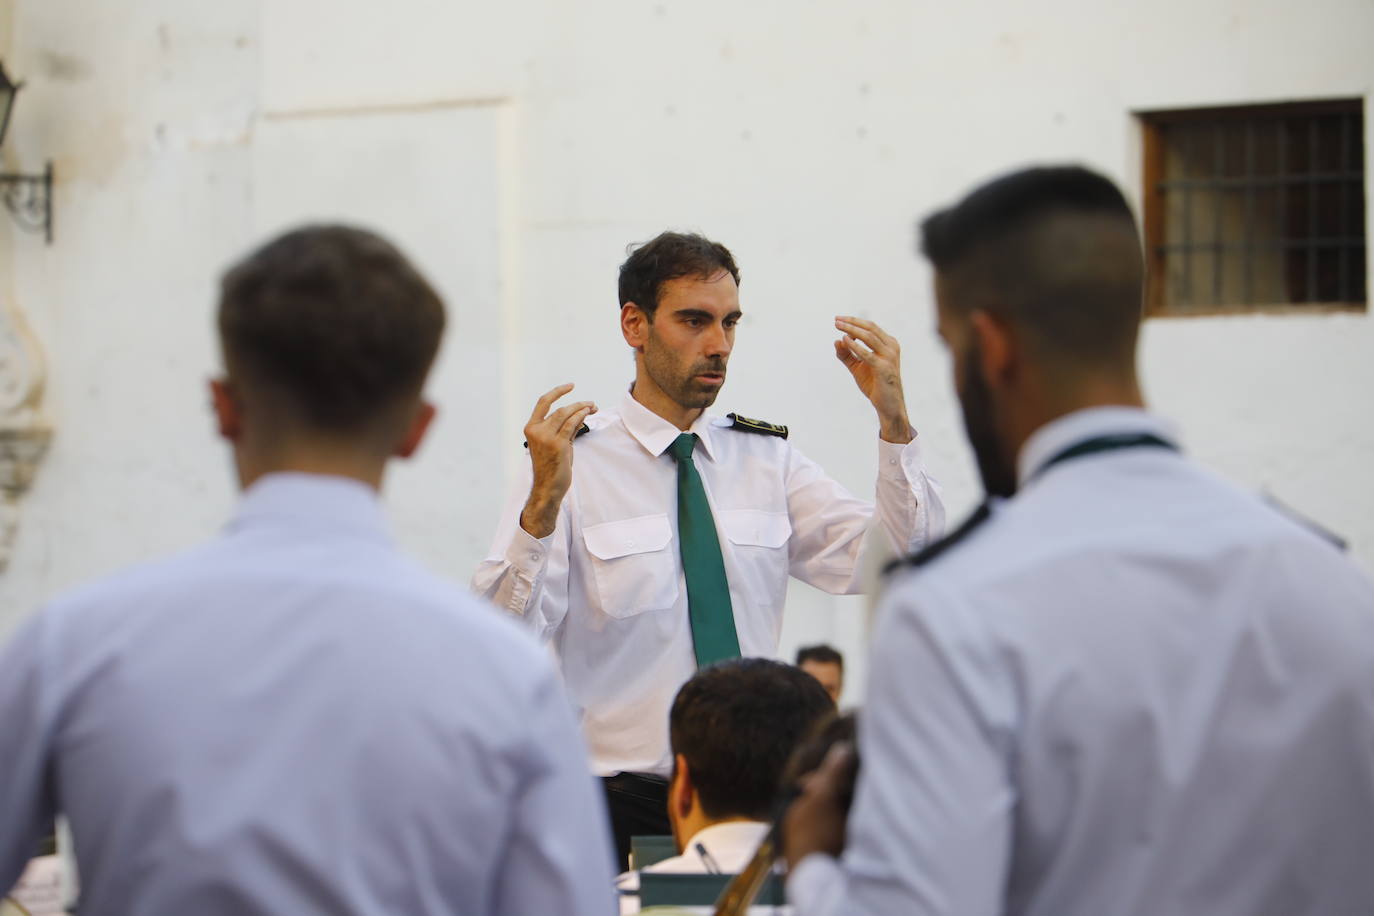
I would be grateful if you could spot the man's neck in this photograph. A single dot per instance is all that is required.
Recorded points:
(309, 458)
(652, 397)
(696, 826)
(1098, 393)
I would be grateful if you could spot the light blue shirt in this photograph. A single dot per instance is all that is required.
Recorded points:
(297, 719)
(1135, 690)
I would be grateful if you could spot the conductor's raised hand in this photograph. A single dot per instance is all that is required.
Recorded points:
(874, 358)
(549, 435)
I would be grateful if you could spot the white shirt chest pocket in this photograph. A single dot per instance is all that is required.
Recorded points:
(759, 544)
(635, 567)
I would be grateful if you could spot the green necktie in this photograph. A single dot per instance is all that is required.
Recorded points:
(708, 593)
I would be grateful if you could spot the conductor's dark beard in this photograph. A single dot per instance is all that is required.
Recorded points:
(994, 466)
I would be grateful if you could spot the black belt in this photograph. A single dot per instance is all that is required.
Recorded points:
(631, 782)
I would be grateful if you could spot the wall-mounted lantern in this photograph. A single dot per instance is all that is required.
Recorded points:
(28, 197)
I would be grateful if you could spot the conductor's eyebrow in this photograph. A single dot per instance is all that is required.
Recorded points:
(703, 314)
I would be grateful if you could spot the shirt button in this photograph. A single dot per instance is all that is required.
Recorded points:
(534, 556)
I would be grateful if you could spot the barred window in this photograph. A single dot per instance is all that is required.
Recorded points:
(1254, 207)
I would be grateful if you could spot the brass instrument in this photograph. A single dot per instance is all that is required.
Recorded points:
(745, 887)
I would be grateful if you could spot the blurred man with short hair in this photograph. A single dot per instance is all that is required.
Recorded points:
(1125, 686)
(294, 717)
(825, 664)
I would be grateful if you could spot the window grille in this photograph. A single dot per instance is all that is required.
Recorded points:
(1255, 206)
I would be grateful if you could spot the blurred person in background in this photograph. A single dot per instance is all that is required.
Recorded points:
(825, 664)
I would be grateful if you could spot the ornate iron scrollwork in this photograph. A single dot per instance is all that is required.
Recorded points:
(29, 198)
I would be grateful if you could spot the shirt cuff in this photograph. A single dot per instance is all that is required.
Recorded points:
(816, 886)
(900, 462)
(527, 553)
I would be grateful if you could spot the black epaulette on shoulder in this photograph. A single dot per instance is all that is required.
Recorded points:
(923, 557)
(756, 426)
(1302, 521)
(581, 431)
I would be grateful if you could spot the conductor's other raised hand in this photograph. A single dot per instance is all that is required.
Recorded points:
(874, 358)
(549, 435)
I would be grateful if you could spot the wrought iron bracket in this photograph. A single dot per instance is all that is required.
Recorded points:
(29, 198)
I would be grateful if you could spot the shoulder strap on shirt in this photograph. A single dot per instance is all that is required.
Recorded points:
(922, 557)
(1302, 521)
(581, 431)
(763, 427)
(1110, 443)
(1093, 446)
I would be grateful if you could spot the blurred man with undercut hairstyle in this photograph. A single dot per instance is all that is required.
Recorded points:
(294, 717)
(1125, 686)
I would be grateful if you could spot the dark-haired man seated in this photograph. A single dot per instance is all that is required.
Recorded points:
(733, 728)
(267, 724)
(667, 545)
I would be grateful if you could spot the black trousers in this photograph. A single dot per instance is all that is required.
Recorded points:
(638, 804)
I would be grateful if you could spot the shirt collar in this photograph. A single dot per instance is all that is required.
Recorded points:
(1070, 429)
(318, 500)
(655, 433)
(729, 839)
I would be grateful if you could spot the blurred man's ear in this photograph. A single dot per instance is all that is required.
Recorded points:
(634, 324)
(228, 411)
(995, 346)
(415, 433)
(681, 790)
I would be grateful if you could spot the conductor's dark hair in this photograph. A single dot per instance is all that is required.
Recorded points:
(1054, 249)
(737, 723)
(820, 653)
(669, 256)
(333, 323)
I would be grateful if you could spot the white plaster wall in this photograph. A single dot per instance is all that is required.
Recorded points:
(808, 136)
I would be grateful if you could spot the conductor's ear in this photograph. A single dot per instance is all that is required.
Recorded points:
(634, 324)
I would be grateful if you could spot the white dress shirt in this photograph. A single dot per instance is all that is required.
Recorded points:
(1134, 690)
(295, 718)
(607, 588)
(730, 846)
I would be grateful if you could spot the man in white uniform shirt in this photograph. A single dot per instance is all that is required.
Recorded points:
(295, 718)
(1128, 687)
(733, 728)
(667, 544)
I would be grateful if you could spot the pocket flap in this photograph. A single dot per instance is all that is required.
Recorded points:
(629, 536)
(756, 528)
